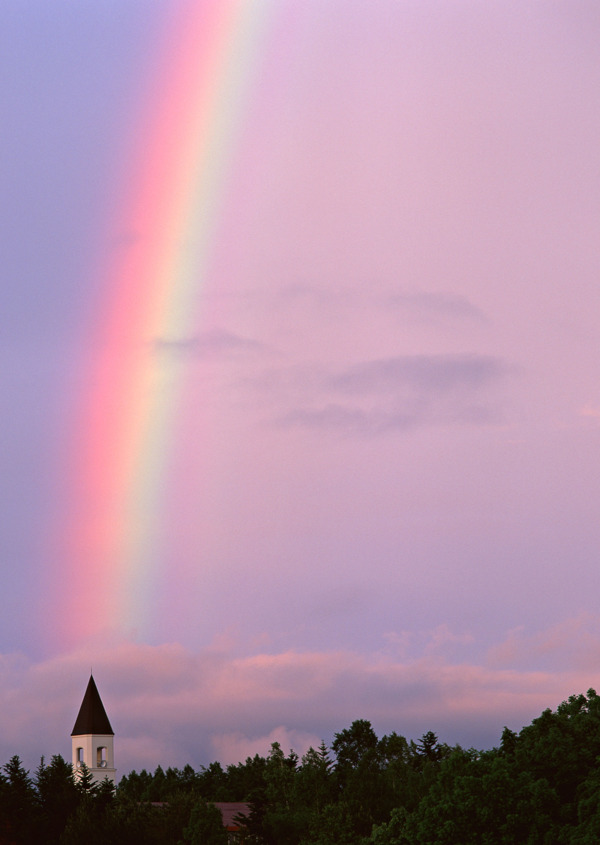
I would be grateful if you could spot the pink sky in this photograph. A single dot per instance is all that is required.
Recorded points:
(381, 488)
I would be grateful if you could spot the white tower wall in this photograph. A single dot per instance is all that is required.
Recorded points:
(97, 752)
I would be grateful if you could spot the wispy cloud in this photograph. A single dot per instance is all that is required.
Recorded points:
(590, 412)
(402, 393)
(573, 642)
(214, 344)
(418, 305)
(349, 420)
(428, 305)
(423, 373)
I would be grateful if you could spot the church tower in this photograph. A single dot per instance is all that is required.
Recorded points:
(93, 737)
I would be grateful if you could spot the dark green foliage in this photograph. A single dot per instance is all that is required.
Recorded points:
(563, 748)
(19, 817)
(359, 771)
(313, 783)
(85, 781)
(246, 779)
(333, 826)
(58, 796)
(392, 832)
(213, 783)
(136, 785)
(353, 745)
(480, 799)
(587, 831)
(205, 827)
(429, 748)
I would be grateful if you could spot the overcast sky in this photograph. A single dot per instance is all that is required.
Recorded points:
(356, 475)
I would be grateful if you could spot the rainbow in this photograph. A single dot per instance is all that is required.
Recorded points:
(170, 215)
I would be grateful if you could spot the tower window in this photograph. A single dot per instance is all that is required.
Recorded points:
(101, 757)
(79, 757)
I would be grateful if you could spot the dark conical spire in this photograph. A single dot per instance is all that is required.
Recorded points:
(92, 718)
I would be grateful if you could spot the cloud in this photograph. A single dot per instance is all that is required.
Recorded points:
(172, 706)
(213, 344)
(590, 412)
(402, 393)
(348, 420)
(422, 306)
(422, 373)
(231, 748)
(443, 636)
(573, 642)
(431, 306)
(316, 296)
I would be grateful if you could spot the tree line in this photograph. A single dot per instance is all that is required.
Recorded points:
(540, 786)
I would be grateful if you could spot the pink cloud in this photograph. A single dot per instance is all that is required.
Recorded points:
(590, 412)
(236, 747)
(172, 706)
(571, 643)
(442, 636)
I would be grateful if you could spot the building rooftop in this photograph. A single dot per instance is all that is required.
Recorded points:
(230, 811)
(92, 718)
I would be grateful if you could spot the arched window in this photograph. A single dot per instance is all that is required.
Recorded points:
(78, 758)
(101, 757)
